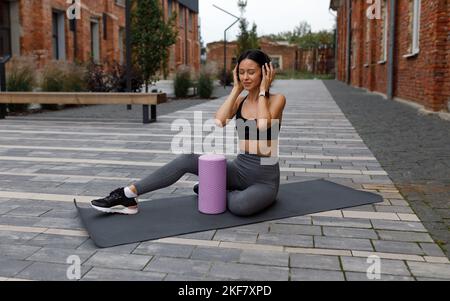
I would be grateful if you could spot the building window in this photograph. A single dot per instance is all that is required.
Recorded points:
(354, 51)
(277, 62)
(120, 2)
(415, 46)
(169, 8)
(191, 20)
(5, 29)
(121, 45)
(384, 32)
(367, 42)
(181, 16)
(95, 41)
(58, 36)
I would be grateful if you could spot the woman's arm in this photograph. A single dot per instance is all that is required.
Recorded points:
(225, 112)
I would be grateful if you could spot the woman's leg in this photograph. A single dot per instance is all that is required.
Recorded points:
(168, 174)
(251, 200)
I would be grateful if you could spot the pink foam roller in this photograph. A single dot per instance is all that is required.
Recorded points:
(212, 172)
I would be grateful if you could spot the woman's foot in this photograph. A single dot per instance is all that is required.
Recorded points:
(195, 188)
(116, 202)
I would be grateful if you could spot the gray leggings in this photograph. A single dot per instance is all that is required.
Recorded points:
(251, 187)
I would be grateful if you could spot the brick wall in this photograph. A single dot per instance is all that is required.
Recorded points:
(36, 32)
(288, 55)
(423, 78)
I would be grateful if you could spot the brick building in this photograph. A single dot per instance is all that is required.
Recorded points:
(400, 49)
(285, 56)
(42, 29)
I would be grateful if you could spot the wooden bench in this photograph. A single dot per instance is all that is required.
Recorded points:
(145, 99)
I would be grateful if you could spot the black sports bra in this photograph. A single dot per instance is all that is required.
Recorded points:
(247, 129)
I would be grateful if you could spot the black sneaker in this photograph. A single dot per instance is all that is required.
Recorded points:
(196, 188)
(116, 202)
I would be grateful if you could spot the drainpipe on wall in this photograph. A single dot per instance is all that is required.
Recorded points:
(349, 41)
(390, 69)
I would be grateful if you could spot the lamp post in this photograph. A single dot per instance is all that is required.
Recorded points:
(128, 45)
(225, 46)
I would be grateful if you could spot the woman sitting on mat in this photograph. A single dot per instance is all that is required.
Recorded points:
(251, 185)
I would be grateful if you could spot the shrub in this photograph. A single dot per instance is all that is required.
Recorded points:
(205, 84)
(21, 76)
(52, 81)
(118, 78)
(182, 81)
(228, 80)
(75, 78)
(97, 80)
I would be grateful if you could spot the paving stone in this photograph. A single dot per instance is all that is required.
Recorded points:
(14, 237)
(328, 242)
(341, 222)
(430, 279)
(180, 277)
(238, 271)
(167, 250)
(57, 241)
(397, 247)
(352, 276)
(231, 235)
(295, 229)
(215, 254)
(55, 255)
(431, 270)
(398, 225)
(404, 236)
(350, 232)
(431, 249)
(267, 258)
(190, 267)
(17, 251)
(11, 267)
(317, 262)
(296, 220)
(316, 275)
(387, 266)
(119, 261)
(49, 272)
(102, 274)
(396, 209)
(254, 228)
(286, 240)
(207, 235)
(61, 223)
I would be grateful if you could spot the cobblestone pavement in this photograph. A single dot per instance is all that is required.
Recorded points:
(48, 159)
(413, 148)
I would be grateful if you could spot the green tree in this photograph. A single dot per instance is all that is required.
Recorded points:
(246, 39)
(151, 38)
(304, 37)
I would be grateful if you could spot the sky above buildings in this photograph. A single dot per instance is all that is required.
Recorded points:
(271, 16)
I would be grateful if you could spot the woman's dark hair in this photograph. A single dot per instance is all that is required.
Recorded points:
(255, 55)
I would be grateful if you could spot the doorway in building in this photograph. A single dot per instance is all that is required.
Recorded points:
(5, 29)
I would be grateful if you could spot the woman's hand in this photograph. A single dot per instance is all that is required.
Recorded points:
(268, 76)
(237, 84)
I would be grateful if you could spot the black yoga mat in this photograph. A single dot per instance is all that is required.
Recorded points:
(179, 215)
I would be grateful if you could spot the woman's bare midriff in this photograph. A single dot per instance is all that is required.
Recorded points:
(261, 148)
